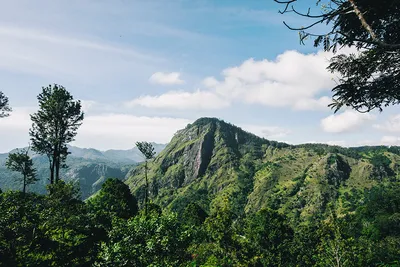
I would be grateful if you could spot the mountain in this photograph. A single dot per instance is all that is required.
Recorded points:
(211, 161)
(87, 166)
(131, 154)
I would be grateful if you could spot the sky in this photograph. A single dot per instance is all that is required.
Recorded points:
(144, 69)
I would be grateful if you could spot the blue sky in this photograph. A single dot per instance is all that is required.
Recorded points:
(145, 68)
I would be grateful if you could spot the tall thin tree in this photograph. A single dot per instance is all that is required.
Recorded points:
(54, 126)
(148, 152)
(21, 162)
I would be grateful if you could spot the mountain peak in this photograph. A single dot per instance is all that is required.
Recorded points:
(206, 120)
(226, 130)
(199, 150)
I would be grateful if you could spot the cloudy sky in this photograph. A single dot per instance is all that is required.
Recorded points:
(146, 68)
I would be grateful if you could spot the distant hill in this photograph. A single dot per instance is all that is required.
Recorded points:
(211, 160)
(131, 154)
(87, 166)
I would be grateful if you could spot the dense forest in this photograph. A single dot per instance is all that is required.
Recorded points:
(58, 229)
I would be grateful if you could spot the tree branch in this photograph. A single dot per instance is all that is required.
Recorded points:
(362, 19)
(369, 29)
(330, 16)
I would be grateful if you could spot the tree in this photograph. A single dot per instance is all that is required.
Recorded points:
(22, 243)
(270, 237)
(194, 215)
(68, 226)
(338, 244)
(54, 126)
(151, 240)
(22, 162)
(114, 199)
(5, 108)
(370, 78)
(148, 152)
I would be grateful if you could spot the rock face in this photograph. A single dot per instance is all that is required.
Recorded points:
(337, 169)
(212, 161)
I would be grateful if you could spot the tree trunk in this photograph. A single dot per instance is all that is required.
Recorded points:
(55, 163)
(147, 189)
(24, 187)
(58, 169)
(58, 162)
(52, 172)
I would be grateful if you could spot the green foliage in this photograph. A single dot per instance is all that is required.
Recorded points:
(220, 245)
(269, 238)
(337, 246)
(69, 227)
(153, 240)
(5, 108)
(55, 125)
(380, 216)
(218, 225)
(194, 215)
(146, 149)
(21, 162)
(60, 230)
(114, 199)
(46, 231)
(381, 167)
(21, 242)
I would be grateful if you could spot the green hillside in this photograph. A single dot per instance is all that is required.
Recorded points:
(211, 160)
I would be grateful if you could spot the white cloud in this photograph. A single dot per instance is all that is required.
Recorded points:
(293, 80)
(313, 104)
(345, 122)
(210, 82)
(181, 100)
(390, 140)
(269, 132)
(366, 142)
(88, 105)
(392, 125)
(15, 129)
(171, 78)
(106, 131)
(121, 131)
